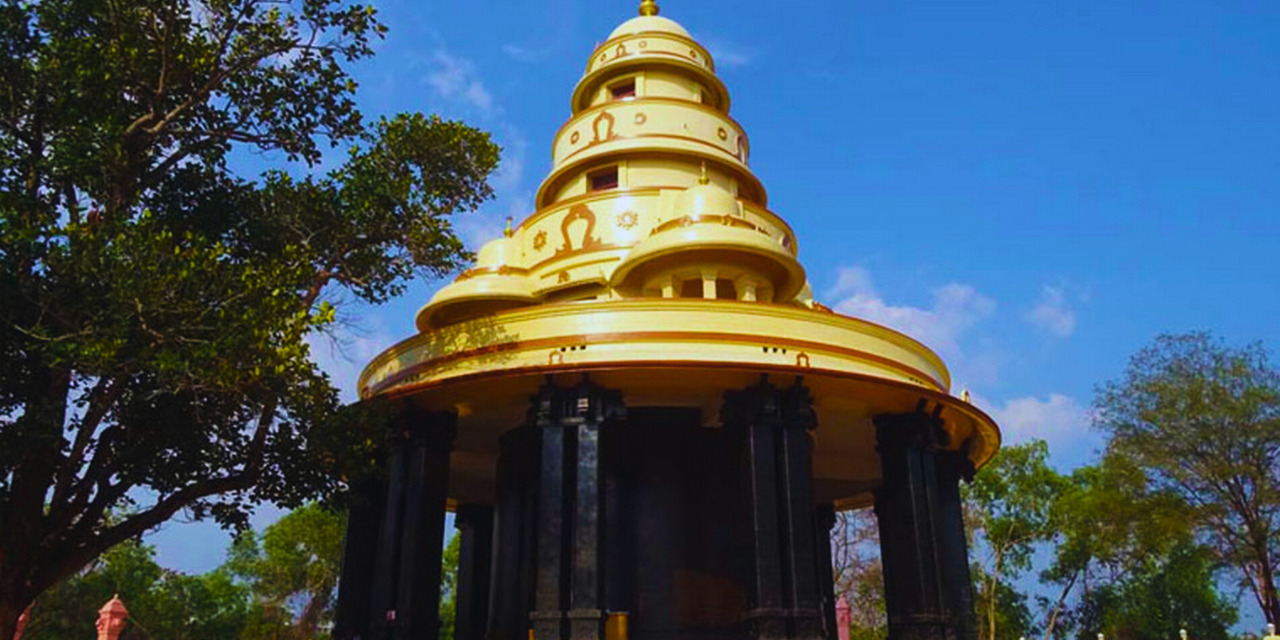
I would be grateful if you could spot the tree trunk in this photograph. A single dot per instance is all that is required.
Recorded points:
(11, 607)
(993, 581)
(1057, 608)
(1270, 599)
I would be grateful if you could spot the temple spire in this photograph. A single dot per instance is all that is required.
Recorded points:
(648, 7)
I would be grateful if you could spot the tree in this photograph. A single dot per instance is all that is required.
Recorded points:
(154, 305)
(162, 604)
(1174, 591)
(1202, 420)
(292, 572)
(1112, 524)
(859, 575)
(449, 586)
(1012, 506)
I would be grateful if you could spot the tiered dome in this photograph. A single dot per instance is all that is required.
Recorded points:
(653, 263)
(649, 194)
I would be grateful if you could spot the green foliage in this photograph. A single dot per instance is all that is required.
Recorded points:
(1013, 616)
(1202, 421)
(292, 572)
(1176, 592)
(1012, 505)
(162, 604)
(449, 586)
(155, 307)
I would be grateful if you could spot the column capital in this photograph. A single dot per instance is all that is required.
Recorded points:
(916, 429)
(764, 402)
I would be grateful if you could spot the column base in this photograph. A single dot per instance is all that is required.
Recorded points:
(585, 624)
(547, 625)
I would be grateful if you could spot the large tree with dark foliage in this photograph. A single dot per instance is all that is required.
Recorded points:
(155, 305)
(1202, 420)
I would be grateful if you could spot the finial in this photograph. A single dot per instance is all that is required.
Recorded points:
(506, 233)
(703, 179)
(648, 7)
(964, 395)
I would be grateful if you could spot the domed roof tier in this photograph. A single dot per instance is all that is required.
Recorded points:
(723, 243)
(649, 24)
(706, 199)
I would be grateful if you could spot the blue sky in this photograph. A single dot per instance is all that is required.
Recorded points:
(1035, 189)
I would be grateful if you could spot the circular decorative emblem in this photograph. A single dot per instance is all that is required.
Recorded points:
(643, 44)
(573, 138)
(564, 277)
(693, 54)
(628, 219)
(641, 118)
(722, 134)
(603, 57)
(540, 240)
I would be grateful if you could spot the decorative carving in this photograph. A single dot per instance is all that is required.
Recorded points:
(555, 357)
(620, 51)
(802, 359)
(579, 212)
(573, 137)
(563, 277)
(628, 219)
(643, 44)
(602, 134)
(540, 240)
(693, 54)
(742, 149)
(641, 118)
(722, 134)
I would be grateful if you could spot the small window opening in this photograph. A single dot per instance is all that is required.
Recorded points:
(706, 98)
(604, 179)
(623, 90)
(691, 289)
(725, 289)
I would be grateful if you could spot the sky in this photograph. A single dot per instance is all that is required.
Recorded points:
(1034, 189)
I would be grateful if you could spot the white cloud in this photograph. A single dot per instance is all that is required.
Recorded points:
(1058, 419)
(455, 78)
(523, 54)
(956, 309)
(728, 55)
(1053, 313)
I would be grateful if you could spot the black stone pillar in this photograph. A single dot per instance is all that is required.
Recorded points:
(922, 541)
(359, 554)
(569, 585)
(382, 596)
(422, 529)
(954, 466)
(475, 526)
(824, 518)
(515, 535)
(783, 568)
(405, 594)
(549, 583)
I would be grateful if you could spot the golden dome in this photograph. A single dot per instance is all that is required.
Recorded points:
(706, 199)
(648, 22)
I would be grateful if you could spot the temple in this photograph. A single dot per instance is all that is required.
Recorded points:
(643, 421)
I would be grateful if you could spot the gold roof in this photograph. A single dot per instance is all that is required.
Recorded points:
(652, 261)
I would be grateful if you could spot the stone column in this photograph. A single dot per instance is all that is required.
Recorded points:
(405, 593)
(515, 535)
(569, 583)
(922, 540)
(824, 520)
(422, 528)
(475, 551)
(783, 574)
(359, 556)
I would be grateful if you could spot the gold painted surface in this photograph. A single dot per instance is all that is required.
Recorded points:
(578, 286)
